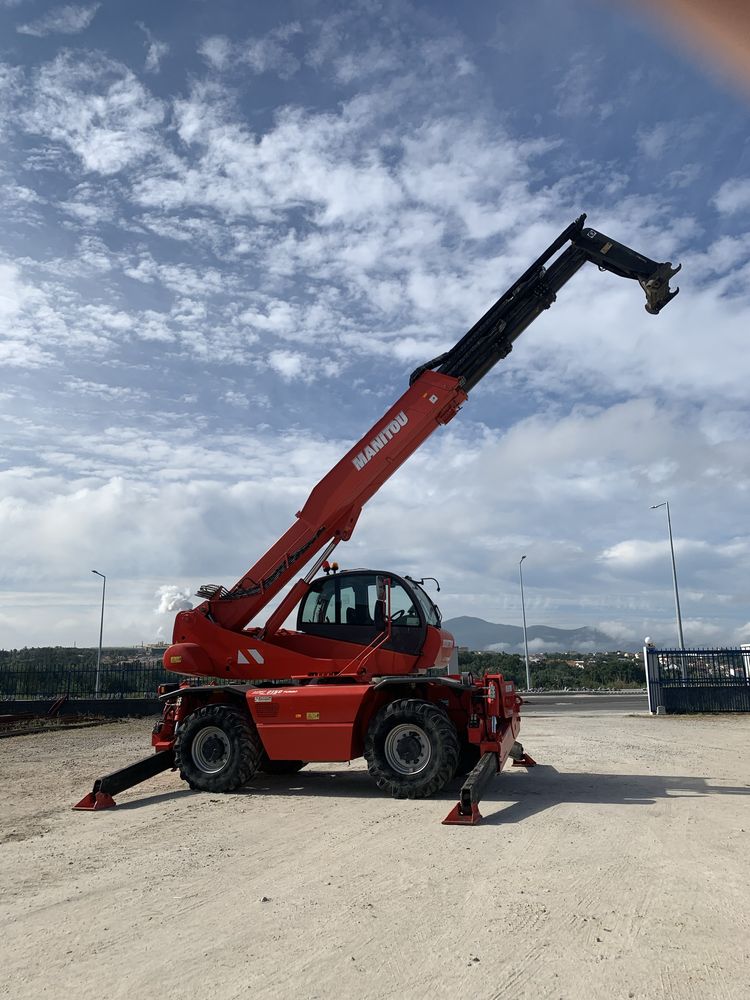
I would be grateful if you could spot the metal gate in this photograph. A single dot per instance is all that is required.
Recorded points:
(697, 680)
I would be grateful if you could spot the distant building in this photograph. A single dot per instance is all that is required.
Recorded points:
(155, 648)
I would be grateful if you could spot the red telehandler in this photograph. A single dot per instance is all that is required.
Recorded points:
(368, 671)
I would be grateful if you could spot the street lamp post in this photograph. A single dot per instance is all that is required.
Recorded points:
(525, 638)
(674, 571)
(101, 631)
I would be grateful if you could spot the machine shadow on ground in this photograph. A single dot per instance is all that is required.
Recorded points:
(545, 787)
(512, 798)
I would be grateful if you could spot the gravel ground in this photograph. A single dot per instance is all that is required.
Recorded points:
(619, 868)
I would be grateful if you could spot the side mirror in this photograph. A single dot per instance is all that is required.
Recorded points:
(380, 586)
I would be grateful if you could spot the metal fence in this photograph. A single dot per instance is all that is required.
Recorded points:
(697, 680)
(127, 680)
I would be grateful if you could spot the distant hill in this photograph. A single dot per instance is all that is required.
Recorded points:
(478, 634)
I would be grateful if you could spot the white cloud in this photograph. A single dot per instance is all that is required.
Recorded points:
(733, 196)
(155, 50)
(634, 553)
(70, 19)
(14, 294)
(288, 364)
(216, 50)
(234, 398)
(269, 53)
(104, 391)
(96, 108)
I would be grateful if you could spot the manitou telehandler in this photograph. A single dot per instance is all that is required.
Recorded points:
(368, 671)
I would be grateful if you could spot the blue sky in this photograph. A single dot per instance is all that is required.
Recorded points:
(231, 230)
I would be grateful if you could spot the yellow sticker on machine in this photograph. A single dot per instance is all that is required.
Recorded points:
(175, 659)
(312, 716)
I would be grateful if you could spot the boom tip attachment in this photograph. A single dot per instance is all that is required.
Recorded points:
(658, 292)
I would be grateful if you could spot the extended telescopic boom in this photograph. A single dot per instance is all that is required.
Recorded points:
(436, 392)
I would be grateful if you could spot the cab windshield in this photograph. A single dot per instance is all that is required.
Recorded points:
(431, 613)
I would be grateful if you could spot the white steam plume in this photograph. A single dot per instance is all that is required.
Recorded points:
(172, 598)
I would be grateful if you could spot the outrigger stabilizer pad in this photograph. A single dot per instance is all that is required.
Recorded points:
(100, 797)
(466, 811)
(456, 818)
(519, 758)
(95, 801)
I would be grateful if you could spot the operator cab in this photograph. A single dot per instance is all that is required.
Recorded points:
(345, 606)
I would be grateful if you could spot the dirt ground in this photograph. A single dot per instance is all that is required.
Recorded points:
(619, 868)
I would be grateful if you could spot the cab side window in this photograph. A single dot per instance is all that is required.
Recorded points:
(320, 604)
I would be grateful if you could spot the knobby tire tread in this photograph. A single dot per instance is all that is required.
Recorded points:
(445, 749)
(246, 745)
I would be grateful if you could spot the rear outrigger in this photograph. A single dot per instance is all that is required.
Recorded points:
(368, 671)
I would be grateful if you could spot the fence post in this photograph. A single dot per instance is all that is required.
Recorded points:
(745, 647)
(653, 687)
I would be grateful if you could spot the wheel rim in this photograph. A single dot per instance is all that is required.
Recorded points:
(407, 749)
(211, 750)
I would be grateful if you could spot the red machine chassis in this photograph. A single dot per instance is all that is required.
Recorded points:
(315, 721)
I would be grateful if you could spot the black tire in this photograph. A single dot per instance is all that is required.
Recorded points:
(411, 749)
(468, 758)
(267, 766)
(217, 749)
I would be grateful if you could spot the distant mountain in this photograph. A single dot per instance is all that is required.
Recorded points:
(477, 634)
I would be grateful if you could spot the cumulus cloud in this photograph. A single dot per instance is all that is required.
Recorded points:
(634, 553)
(288, 364)
(733, 196)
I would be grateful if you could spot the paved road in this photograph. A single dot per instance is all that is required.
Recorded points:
(597, 704)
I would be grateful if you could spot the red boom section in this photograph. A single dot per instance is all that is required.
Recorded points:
(334, 505)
